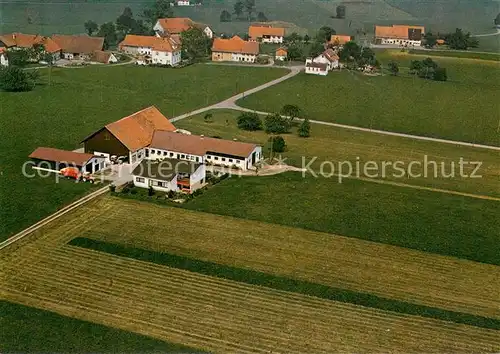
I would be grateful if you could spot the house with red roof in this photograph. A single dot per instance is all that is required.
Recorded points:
(177, 25)
(266, 34)
(323, 63)
(152, 49)
(78, 46)
(18, 40)
(234, 49)
(401, 35)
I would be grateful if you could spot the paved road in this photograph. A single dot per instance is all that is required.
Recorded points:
(487, 34)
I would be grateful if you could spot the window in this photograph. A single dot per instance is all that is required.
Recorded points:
(165, 153)
(153, 151)
(230, 160)
(223, 159)
(139, 179)
(209, 157)
(171, 154)
(183, 156)
(216, 158)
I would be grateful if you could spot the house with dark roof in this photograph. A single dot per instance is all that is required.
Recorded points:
(316, 68)
(128, 136)
(78, 46)
(152, 49)
(234, 49)
(169, 175)
(177, 25)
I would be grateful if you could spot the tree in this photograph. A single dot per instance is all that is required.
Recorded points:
(238, 9)
(428, 68)
(350, 52)
(125, 22)
(225, 16)
(195, 44)
(305, 129)
(394, 68)
(19, 57)
(460, 40)
(440, 74)
(430, 40)
(14, 79)
(90, 27)
(108, 31)
(307, 39)
(208, 118)
(367, 57)
(316, 49)
(276, 124)
(340, 11)
(292, 38)
(249, 121)
(415, 66)
(277, 143)
(294, 53)
(261, 17)
(160, 9)
(292, 111)
(497, 20)
(325, 33)
(250, 8)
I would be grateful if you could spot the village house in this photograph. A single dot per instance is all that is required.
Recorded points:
(128, 136)
(169, 175)
(201, 149)
(234, 49)
(266, 34)
(80, 47)
(181, 3)
(316, 68)
(56, 159)
(281, 54)
(152, 49)
(337, 40)
(4, 61)
(177, 25)
(103, 57)
(402, 35)
(14, 41)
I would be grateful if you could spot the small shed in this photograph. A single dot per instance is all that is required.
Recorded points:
(281, 53)
(57, 159)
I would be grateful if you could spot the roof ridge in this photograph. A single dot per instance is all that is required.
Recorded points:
(131, 115)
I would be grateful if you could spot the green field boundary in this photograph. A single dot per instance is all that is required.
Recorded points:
(456, 54)
(30, 330)
(253, 277)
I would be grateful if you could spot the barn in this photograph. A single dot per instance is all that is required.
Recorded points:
(56, 159)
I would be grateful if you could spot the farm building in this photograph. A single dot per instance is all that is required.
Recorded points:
(402, 35)
(169, 175)
(281, 54)
(103, 57)
(316, 68)
(234, 49)
(200, 149)
(77, 46)
(328, 57)
(27, 41)
(56, 159)
(177, 25)
(338, 40)
(266, 34)
(152, 49)
(127, 136)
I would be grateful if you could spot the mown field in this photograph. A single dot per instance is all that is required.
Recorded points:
(205, 312)
(457, 54)
(464, 108)
(80, 101)
(28, 330)
(341, 262)
(339, 145)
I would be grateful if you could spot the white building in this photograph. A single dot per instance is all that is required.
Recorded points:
(4, 61)
(329, 58)
(316, 68)
(177, 25)
(169, 175)
(152, 49)
(281, 54)
(181, 3)
(400, 35)
(266, 34)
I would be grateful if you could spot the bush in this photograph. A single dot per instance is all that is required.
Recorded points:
(112, 188)
(151, 191)
(277, 143)
(249, 121)
(305, 129)
(262, 59)
(440, 74)
(125, 190)
(133, 191)
(13, 79)
(170, 194)
(276, 124)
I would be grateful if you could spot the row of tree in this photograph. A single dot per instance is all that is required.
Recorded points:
(458, 40)
(226, 16)
(426, 69)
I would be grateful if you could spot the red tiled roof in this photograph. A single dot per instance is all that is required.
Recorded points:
(101, 56)
(259, 31)
(22, 40)
(57, 155)
(330, 55)
(50, 46)
(395, 31)
(281, 51)
(339, 38)
(197, 145)
(235, 45)
(176, 25)
(78, 44)
(136, 130)
(164, 44)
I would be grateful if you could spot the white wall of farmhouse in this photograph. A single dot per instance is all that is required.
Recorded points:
(250, 58)
(272, 39)
(166, 58)
(158, 185)
(402, 42)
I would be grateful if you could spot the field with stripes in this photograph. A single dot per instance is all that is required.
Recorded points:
(212, 313)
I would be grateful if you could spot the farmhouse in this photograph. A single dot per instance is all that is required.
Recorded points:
(56, 159)
(169, 175)
(103, 57)
(14, 41)
(200, 149)
(338, 40)
(152, 49)
(234, 49)
(281, 54)
(78, 47)
(266, 34)
(127, 136)
(4, 61)
(402, 35)
(316, 68)
(177, 25)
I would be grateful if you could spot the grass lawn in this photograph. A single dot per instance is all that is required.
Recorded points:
(427, 221)
(80, 101)
(456, 54)
(29, 330)
(465, 108)
(336, 144)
